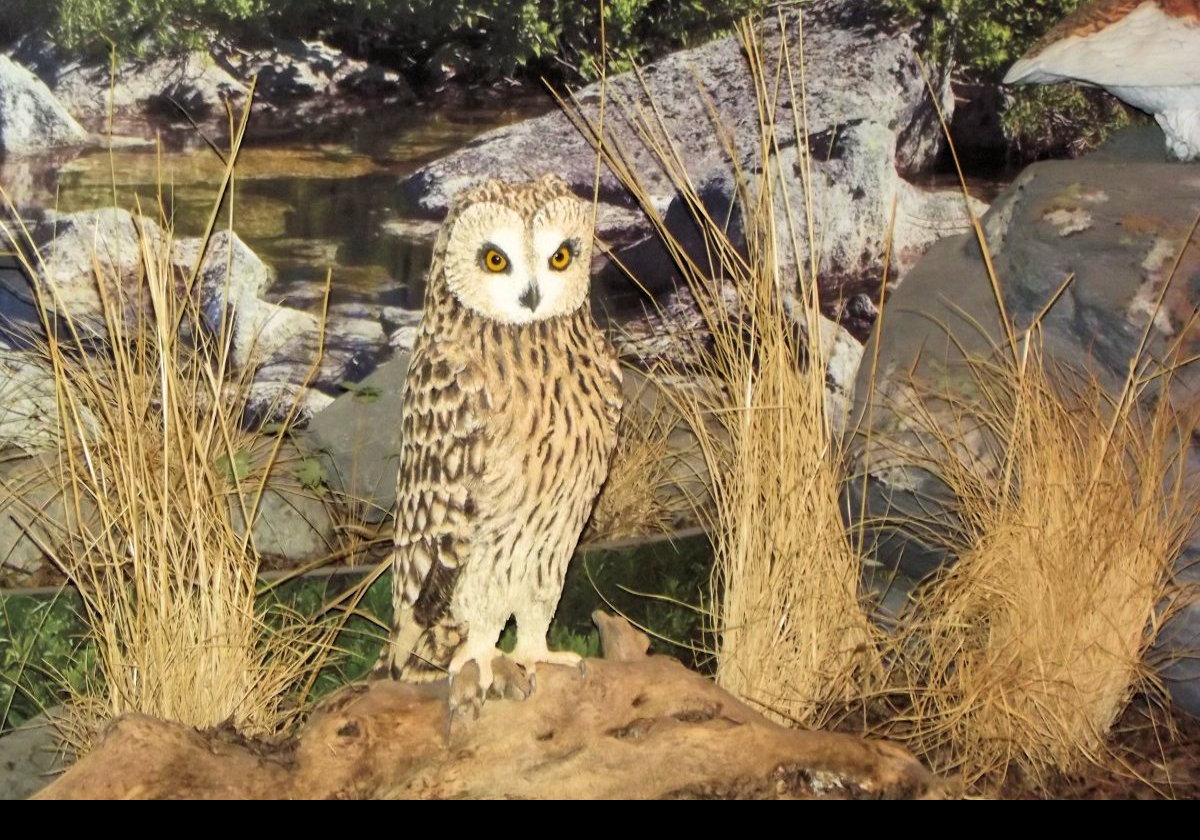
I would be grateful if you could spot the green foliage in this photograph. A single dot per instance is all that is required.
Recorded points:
(311, 474)
(43, 649)
(143, 27)
(655, 586)
(362, 632)
(482, 40)
(658, 586)
(637, 30)
(559, 638)
(43, 645)
(492, 39)
(236, 469)
(982, 36)
(1060, 120)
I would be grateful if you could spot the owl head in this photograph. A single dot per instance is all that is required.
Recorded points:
(517, 252)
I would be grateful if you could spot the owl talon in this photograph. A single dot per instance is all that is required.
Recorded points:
(509, 680)
(466, 691)
(529, 659)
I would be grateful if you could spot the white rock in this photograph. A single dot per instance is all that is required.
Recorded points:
(79, 249)
(1146, 54)
(31, 119)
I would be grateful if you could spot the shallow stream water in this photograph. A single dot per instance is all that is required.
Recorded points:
(305, 206)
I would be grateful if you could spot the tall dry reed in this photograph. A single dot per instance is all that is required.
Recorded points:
(788, 628)
(1021, 656)
(150, 449)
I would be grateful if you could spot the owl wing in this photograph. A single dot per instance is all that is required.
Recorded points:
(441, 463)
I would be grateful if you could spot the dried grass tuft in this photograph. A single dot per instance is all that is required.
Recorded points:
(151, 457)
(641, 496)
(1071, 504)
(1020, 657)
(1068, 509)
(789, 630)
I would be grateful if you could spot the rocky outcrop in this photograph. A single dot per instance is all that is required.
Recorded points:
(1108, 231)
(293, 522)
(872, 128)
(70, 247)
(299, 84)
(31, 119)
(359, 436)
(170, 86)
(291, 70)
(282, 345)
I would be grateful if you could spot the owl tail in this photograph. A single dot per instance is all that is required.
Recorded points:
(420, 654)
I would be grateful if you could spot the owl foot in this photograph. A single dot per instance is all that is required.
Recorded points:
(509, 680)
(467, 690)
(476, 673)
(529, 658)
(502, 678)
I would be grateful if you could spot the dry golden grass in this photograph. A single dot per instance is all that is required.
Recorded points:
(1022, 655)
(1070, 511)
(789, 630)
(1070, 508)
(640, 496)
(151, 456)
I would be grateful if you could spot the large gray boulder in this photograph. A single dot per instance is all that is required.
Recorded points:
(169, 85)
(34, 510)
(28, 401)
(872, 130)
(289, 349)
(31, 119)
(282, 345)
(358, 436)
(1114, 222)
(72, 246)
(294, 519)
(31, 756)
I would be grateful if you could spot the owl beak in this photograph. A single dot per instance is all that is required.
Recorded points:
(531, 297)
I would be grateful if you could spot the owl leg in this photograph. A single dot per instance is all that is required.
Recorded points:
(533, 624)
(471, 669)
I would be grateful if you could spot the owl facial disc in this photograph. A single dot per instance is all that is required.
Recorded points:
(518, 267)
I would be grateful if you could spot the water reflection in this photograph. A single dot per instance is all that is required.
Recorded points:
(306, 206)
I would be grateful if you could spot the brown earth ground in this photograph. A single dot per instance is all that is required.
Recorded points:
(1147, 761)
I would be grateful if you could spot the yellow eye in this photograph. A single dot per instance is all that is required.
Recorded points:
(494, 261)
(561, 258)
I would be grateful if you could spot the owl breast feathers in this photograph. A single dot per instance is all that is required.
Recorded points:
(509, 421)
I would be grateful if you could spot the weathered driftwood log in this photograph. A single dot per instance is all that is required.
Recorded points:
(630, 726)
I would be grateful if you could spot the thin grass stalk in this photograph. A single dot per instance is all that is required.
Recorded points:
(1071, 508)
(788, 628)
(149, 406)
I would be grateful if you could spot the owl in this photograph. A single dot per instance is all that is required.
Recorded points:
(509, 420)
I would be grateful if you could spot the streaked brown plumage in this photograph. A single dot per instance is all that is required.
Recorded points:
(509, 420)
